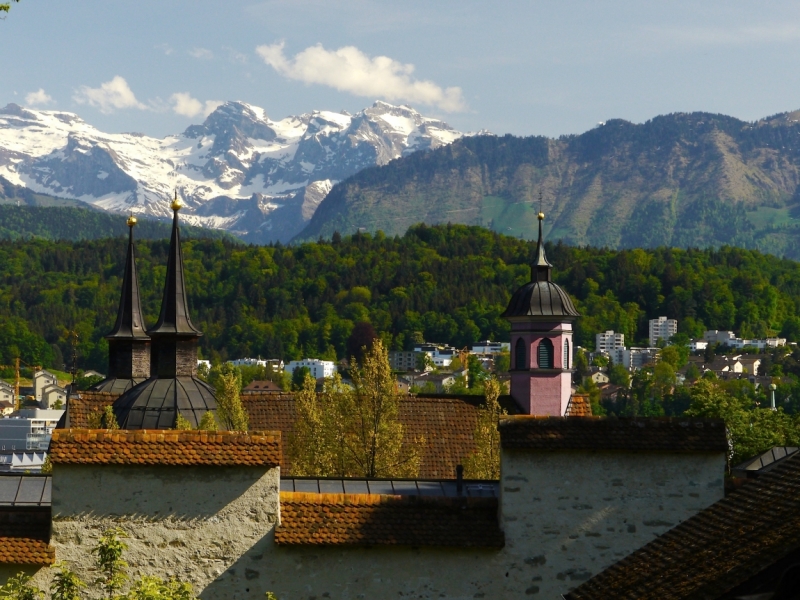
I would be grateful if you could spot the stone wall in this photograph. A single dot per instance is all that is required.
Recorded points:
(566, 515)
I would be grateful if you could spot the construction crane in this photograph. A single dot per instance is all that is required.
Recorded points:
(16, 367)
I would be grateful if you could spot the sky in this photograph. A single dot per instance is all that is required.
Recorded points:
(522, 67)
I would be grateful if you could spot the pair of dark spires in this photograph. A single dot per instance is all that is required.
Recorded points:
(129, 343)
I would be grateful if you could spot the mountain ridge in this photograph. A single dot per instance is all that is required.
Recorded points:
(239, 170)
(685, 179)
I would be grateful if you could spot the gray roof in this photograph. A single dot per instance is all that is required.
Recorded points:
(129, 324)
(394, 487)
(115, 385)
(25, 490)
(174, 318)
(155, 403)
(540, 297)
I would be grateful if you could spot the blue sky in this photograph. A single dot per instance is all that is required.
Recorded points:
(545, 68)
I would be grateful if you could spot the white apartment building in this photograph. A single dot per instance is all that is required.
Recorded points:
(319, 368)
(41, 379)
(608, 341)
(489, 347)
(403, 360)
(662, 328)
(28, 429)
(441, 356)
(275, 364)
(728, 338)
(698, 345)
(634, 358)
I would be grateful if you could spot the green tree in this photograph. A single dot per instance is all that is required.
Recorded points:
(208, 422)
(502, 362)
(692, 372)
(230, 412)
(484, 462)
(677, 356)
(155, 588)
(475, 372)
(66, 584)
(619, 375)
(344, 432)
(20, 587)
(110, 564)
(183, 423)
(299, 376)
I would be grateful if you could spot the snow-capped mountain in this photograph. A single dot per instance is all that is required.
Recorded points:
(239, 170)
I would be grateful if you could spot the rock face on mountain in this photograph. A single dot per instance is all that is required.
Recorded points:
(682, 179)
(239, 171)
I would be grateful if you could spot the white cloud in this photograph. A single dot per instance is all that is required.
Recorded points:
(110, 96)
(350, 70)
(165, 48)
(38, 98)
(201, 53)
(184, 104)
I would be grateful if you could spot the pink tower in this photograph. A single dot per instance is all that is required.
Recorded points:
(541, 316)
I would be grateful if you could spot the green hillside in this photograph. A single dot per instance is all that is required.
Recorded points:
(445, 284)
(682, 180)
(25, 215)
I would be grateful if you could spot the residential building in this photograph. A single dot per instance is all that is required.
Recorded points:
(42, 379)
(7, 393)
(489, 347)
(273, 364)
(635, 358)
(319, 368)
(698, 345)
(6, 408)
(662, 328)
(53, 397)
(28, 429)
(599, 377)
(262, 386)
(404, 360)
(441, 355)
(440, 381)
(608, 341)
(728, 338)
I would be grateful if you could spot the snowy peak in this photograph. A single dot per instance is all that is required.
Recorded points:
(238, 170)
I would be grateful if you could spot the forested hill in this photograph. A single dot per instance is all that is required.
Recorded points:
(72, 223)
(684, 180)
(445, 284)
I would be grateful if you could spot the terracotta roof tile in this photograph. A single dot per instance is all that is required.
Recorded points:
(24, 537)
(369, 519)
(601, 433)
(714, 551)
(165, 447)
(579, 405)
(446, 422)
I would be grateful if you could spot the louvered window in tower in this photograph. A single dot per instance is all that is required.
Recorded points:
(566, 354)
(520, 355)
(545, 354)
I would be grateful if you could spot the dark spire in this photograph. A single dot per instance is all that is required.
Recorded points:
(174, 316)
(130, 324)
(541, 268)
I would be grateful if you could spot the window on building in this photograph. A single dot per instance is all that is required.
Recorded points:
(566, 354)
(545, 354)
(519, 355)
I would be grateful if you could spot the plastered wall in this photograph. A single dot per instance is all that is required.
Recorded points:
(566, 516)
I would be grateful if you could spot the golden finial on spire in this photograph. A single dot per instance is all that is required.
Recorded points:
(132, 221)
(176, 203)
(541, 216)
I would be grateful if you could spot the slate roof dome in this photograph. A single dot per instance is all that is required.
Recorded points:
(541, 297)
(173, 387)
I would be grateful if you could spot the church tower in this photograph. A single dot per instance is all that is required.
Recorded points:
(541, 316)
(128, 344)
(173, 387)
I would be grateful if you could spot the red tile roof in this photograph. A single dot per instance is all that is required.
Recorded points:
(262, 386)
(24, 537)
(714, 551)
(579, 405)
(446, 422)
(601, 433)
(369, 520)
(164, 447)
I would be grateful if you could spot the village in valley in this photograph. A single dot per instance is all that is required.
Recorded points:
(378, 351)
